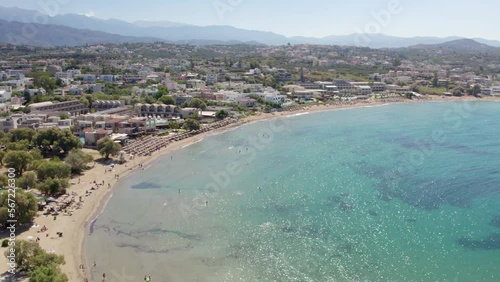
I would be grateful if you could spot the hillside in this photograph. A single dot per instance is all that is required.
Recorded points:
(182, 33)
(56, 35)
(459, 45)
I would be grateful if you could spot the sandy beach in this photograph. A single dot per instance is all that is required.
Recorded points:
(75, 227)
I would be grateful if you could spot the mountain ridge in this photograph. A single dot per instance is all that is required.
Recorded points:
(178, 32)
(48, 35)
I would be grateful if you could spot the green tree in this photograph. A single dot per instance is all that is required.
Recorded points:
(36, 154)
(44, 81)
(88, 100)
(476, 90)
(4, 181)
(197, 103)
(173, 124)
(2, 155)
(396, 62)
(67, 141)
(54, 140)
(29, 256)
(18, 160)
(435, 80)
(107, 147)
(459, 91)
(221, 114)
(167, 100)
(27, 181)
(20, 134)
(54, 186)
(78, 160)
(254, 65)
(52, 169)
(22, 145)
(63, 116)
(60, 82)
(49, 273)
(191, 124)
(26, 207)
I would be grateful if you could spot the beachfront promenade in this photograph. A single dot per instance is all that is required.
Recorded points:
(151, 144)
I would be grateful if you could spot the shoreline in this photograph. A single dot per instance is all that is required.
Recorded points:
(73, 249)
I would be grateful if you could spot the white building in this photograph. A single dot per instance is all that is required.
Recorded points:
(89, 78)
(61, 75)
(230, 96)
(195, 84)
(365, 90)
(73, 73)
(277, 99)
(107, 77)
(5, 93)
(495, 90)
(212, 78)
(16, 74)
(3, 75)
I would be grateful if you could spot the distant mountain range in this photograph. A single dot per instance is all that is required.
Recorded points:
(48, 35)
(202, 35)
(459, 45)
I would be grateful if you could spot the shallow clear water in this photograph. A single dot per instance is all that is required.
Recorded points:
(392, 193)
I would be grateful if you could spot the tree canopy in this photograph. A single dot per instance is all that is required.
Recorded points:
(191, 124)
(41, 266)
(167, 100)
(19, 160)
(28, 180)
(173, 124)
(53, 186)
(78, 160)
(56, 140)
(197, 103)
(52, 169)
(108, 147)
(221, 114)
(26, 207)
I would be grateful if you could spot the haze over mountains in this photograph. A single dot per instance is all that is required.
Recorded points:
(74, 29)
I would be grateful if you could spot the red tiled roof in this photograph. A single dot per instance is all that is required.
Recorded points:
(116, 120)
(136, 120)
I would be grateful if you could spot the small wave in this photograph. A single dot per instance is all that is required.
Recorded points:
(373, 106)
(92, 222)
(198, 141)
(299, 114)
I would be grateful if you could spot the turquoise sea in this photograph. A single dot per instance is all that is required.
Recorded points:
(407, 192)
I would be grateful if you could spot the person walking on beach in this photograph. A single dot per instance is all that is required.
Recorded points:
(104, 277)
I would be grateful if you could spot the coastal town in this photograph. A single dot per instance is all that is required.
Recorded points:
(75, 120)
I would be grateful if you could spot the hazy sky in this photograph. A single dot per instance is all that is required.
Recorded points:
(315, 18)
